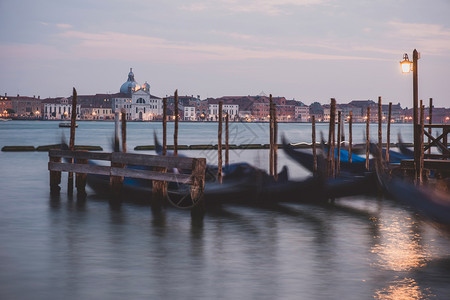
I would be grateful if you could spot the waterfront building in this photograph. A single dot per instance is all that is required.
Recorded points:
(6, 107)
(137, 101)
(58, 109)
(189, 113)
(24, 107)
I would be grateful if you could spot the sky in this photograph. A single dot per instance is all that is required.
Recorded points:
(308, 50)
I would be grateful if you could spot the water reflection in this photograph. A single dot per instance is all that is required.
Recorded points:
(406, 288)
(399, 247)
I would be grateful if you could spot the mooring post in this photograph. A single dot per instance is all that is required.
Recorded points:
(55, 176)
(416, 124)
(80, 181)
(388, 134)
(164, 150)
(227, 136)
(342, 128)
(314, 145)
(270, 135)
(380, 138)
(275, 143)
(338, 158)
(116, 181)
(219, 145)
(350, 141)
(198, 188)
(159, 188)
(422, 123)
(175, 132)
(430, 116)
(124, 131)
(331, 131)
(367, 138)
(73, 118)
(117, 131)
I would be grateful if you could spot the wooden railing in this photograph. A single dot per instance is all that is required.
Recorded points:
(159, 170)
(441, 142)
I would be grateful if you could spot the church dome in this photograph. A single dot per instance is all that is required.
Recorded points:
(146, 87)
(130, 85)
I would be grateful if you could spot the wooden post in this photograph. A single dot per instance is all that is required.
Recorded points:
(430, 115)
(388, 134)
(314, 145)
(73, 118)
(175, 133)
(124, 131)
(80, 181)
(275, 143)
(159, 188)
(422, 122)
(338, 159)
(116, 181)
(227, 136)
(55, 177)
(219, 145)
(330, 156)
(198, 187)
(116, 131)
(164, 150)
(350, 123)
(270, 135)
(415, 113)
(342, 128)
(380, 137)
(367, 138)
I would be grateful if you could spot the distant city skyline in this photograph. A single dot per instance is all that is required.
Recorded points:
(308, 50)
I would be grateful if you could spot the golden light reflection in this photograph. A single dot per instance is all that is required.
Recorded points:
(406, 288)
(399, 247)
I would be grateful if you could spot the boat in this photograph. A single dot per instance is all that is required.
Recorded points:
(356, 167)
(66, 124)
(428, 202)
(5, 119)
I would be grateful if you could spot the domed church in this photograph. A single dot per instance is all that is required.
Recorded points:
(137, 101)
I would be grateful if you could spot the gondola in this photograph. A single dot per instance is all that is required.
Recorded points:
(357, 166)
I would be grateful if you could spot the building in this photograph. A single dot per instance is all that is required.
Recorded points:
(59, 109)
(24, 107)
(137, 101)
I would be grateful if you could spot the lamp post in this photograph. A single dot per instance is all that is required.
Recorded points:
(407, 66)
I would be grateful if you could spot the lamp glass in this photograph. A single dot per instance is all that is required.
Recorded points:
(406, 66)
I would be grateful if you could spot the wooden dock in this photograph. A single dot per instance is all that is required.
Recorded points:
(195, 167)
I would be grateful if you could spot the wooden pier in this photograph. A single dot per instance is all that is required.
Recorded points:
(119, 160)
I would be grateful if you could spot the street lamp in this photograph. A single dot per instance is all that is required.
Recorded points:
(407, 66)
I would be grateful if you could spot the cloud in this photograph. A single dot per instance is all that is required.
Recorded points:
(267, 7)
(433, 39)
(119, 46)
(64, 26)
(126, 47)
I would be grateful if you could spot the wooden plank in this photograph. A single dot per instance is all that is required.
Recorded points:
(152, 175)
(152, 160)
(444, 126)
(79, 168)
(80, 154)
(434, 164)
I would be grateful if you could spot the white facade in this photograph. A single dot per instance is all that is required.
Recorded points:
(189, 113)
(231, 109)
(144, 107)
(59, 111)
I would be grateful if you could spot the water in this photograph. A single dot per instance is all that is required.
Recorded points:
(360, 248)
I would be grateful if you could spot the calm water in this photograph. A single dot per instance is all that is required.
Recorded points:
(360, 248)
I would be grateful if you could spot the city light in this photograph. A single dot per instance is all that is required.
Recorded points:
(406, 64)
